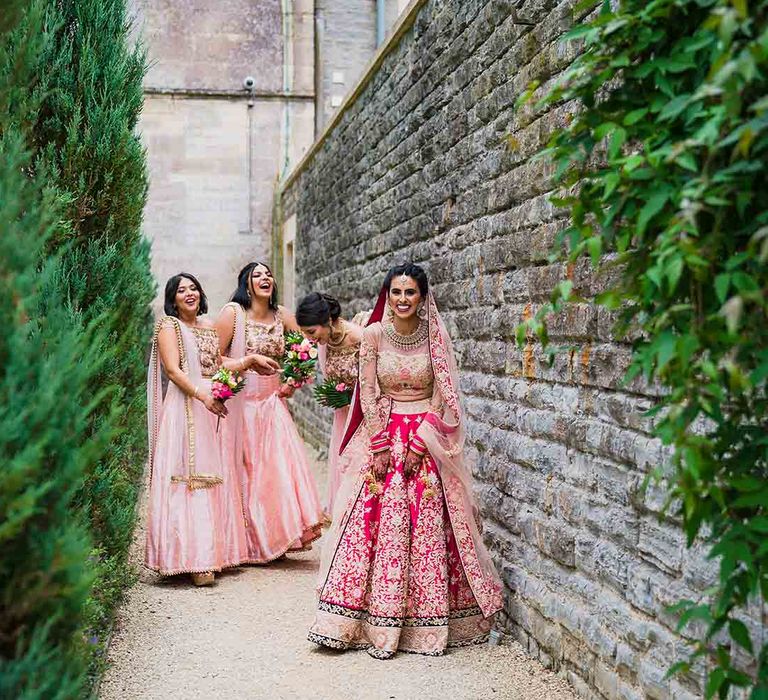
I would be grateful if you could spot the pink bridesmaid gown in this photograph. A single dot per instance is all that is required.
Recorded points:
(339, 364)
(281, 505)
(195, 522)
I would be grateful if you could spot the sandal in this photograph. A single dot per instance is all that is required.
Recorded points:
(204, 579)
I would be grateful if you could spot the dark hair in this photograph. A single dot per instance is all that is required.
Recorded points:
(172, 286)
(317, 309)
(412, 270)
(242, 293)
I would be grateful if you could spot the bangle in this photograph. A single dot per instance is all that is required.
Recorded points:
(197, 390)
(242, 364)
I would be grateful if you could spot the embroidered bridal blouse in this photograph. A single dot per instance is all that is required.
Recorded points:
(341, 363)
(402, 374)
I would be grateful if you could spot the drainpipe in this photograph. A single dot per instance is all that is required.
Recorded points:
(319, 70)
(380, 21)
(287, 7)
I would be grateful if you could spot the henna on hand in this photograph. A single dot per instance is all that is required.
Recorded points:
(412, 463)
(380, 464)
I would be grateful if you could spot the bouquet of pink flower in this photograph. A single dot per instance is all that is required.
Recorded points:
(334, 393)
(300, 361)
(224, 385)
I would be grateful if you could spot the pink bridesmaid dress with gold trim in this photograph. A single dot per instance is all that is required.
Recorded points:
(281, 505)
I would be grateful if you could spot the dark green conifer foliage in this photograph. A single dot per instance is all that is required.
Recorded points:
(87, 136)
(76, 287)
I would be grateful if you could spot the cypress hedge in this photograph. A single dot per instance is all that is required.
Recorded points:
(76, 288)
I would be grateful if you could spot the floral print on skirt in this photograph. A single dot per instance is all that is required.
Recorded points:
(397, 581)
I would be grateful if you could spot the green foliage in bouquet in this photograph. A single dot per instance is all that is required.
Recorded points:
(300, 361)
(664, 172)
(333, 394)
(77, 284)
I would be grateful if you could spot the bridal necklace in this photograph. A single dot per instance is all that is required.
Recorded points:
(407, 342)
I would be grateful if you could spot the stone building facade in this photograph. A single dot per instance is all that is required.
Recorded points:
(430, 161)
(217, 149)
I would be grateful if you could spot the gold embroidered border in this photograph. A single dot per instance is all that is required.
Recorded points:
(193, 480)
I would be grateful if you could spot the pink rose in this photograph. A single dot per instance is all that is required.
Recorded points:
(225, 393)
(341, 387)
(303, 355)
(295, 347)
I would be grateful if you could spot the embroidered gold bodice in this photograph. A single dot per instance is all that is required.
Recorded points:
(405, 377)
(265, 339)
(341, 364)
(207, 340)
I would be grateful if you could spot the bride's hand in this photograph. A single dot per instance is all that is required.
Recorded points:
(380, 464)
(412, 463)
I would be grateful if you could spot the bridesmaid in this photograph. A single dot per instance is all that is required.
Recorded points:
(281, 505)
(194, 522)
(319, 317)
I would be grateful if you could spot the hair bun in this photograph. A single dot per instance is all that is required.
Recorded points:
(334, 308)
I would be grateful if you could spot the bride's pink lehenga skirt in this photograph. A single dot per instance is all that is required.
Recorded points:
(280, 500)
(397, 581)
(334, 461)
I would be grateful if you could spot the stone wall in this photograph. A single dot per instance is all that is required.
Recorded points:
(420, 165)
(345, 42)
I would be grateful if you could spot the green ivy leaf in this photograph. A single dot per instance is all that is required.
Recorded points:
(745, 283)
(618, 139)
(652, 207)
(722, 284)
(740, 634)
(674, 107)
(715, 680)
(674, 272)
(595, 248)
(634, 116)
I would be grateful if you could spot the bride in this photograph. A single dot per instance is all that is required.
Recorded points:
(406, 568)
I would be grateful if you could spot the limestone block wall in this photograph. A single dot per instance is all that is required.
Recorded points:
(418, 166)
(215, 150)
(200, 44)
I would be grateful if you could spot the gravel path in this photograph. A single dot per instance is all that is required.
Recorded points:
(246, 638)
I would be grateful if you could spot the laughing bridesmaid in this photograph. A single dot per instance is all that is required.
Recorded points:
(281, 504)
(194, 523)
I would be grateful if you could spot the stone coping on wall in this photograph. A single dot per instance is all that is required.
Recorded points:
(403, 24)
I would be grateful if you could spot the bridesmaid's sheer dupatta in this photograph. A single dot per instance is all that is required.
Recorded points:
(443, 432)
(186, 446)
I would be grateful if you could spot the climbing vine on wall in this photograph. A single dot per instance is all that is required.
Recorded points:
(663, 170)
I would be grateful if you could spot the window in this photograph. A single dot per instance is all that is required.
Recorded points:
(289, 262)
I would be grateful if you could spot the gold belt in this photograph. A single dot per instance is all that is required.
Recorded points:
(407, 407)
